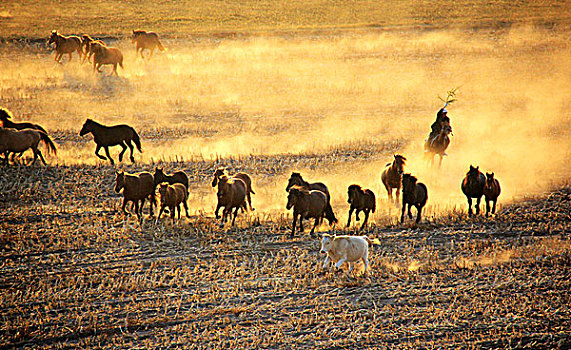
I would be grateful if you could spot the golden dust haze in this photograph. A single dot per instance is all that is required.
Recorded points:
(276, 95)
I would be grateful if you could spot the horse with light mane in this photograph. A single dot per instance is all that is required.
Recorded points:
(65, 45)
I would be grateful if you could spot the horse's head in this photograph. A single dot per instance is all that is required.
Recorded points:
(219, 172)
(295, 192)
(119, 180)
(222, 185)
(136, 34)
(53, 37)
(490, 178)
(158, 176)
(294, 179)
(96, 47)
(163, 187)
(399, 162)
(5, 115)
(474, 172)
(87, 127)
(408, 181)
(353, 192)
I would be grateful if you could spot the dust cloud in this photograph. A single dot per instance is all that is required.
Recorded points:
(281, 95)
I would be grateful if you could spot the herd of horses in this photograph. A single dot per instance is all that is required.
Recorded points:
(97, 52)
(308, 200)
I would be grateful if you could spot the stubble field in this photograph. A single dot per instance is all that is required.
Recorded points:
(333, 101)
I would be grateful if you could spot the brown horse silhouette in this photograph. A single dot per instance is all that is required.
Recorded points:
(173, 196)
(231, 195)
(65, 45)
(306, 204)
(146, 41)
(240, 175)
(413, 194)
(18, 141)
(103, 55)
(105, 136)
(86, 47)
(178, 177)
(439, 144)
(136, 188)
(6, 121)
(492, 191)
(392, 176)
(360, 200)
(473, 187)
(296, 179)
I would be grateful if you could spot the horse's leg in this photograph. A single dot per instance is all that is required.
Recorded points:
(152, 201)
(357, 218)
(418, 213)
(350, 213)
(366, 219)
(301, 223)
(469, 206)
(97, 153)
(69, 57)
(293, 224)
(409, 211)
(402, 213)
(108, 155)
(218, 206)
(114, 71)
(41, 156)
(185, 208)
(142, 204)
(137, 212)
(235, 215)
(390, 192)
(173, 213)
(494, 207)
(122, 144)
(151, 55)
(397, 196)
(487, 206)
(440, 163)
(128, 142)
(160, 212)
(315, 224)
(124, 206)
(478, 205)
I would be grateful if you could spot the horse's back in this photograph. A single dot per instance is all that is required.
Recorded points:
(474, 189)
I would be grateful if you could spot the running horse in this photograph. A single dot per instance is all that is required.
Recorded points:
(105, 136)
(392, 176)
(65, 45)
(18, 141)
(146, 40)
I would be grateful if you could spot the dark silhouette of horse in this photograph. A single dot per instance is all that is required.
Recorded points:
(492, 191)
(146, 41)
(173, 196)
(6, 119)
(473, 187)
(306, 204)
(105, 136)
(439, 144)
(360, 200)
(18, 141)
(392, 176)
(231, 195)
(103, 55)
(240, 175)
(136, 188)
(413, 194)
(65, 45)
(296, 179)
(178, 177)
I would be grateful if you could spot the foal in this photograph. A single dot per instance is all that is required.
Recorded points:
(173, 196)
(492, 191)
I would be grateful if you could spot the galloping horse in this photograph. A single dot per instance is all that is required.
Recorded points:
(239, 175)
(306, 204)
(296, 179)
(103, 55)
(5, 118)
(492, 190)
(146, 40)
(473, 187)
(361, 200)
(136, 187)
(65, 44)
(105, 136)
(413, 194)
(392, 176)
(439, 144)
(18, 141)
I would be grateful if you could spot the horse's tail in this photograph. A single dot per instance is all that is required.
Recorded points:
(160, 46)
(137, 140)
(330, 215)
(48, 142)
(121, 62)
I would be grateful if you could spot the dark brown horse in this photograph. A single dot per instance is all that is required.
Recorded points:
(392, 176)
(473, 187)
(65, 45)
(492, 191)
(6, 121)
(360, 200)
(439, 144)
(136, 188)
(105, 136)
(178, 177)
(87, 44)
(18, 141)
(240, 175)
(296, 179)
(146, 41)
(413, 194)
(231, 195)
(306, 204)
(173, 196)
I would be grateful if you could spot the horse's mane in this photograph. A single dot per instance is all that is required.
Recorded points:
(300, 189)
(356, 187)
(409, 176)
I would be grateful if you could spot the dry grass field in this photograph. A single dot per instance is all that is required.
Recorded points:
(329, 89)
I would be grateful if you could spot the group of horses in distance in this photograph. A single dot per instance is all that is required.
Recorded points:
(98, 52)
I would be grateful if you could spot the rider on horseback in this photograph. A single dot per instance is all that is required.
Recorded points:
(441, 117)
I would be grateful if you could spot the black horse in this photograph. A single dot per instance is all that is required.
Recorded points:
(105, 136)
(473, 187)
